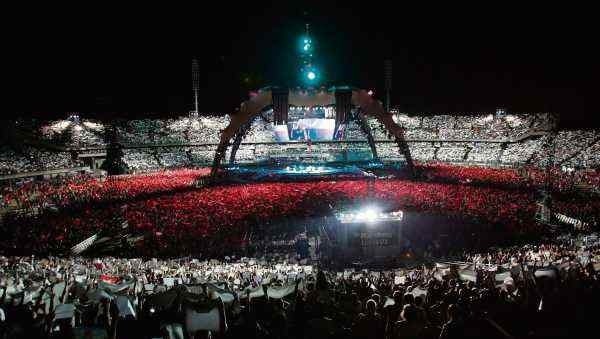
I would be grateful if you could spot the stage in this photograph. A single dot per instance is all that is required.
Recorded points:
(293, 171)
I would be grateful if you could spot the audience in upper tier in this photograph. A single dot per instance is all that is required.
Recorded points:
(513, 140)
(29, 159)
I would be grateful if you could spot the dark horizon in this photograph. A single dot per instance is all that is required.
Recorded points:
(131, 64)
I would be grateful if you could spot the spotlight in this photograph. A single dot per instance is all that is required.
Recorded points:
(368, 215)
(311, 75)
(305, 45)
(370, 92)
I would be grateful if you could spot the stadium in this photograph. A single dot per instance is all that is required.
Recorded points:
(493, 159)
(309, 210)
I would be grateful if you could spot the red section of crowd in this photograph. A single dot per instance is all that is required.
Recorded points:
(473, 174)
(178, 220)
(571, 187)
(87, 189)
(231, 206)
(165, 205)
(515, 177)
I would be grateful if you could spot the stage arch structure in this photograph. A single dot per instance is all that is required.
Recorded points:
(345, 99)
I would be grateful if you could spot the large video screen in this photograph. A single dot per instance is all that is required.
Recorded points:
(315, 129)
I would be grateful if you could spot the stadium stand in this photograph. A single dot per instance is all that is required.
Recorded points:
(486, 139)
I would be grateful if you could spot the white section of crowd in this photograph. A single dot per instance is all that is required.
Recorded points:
(140, 160)
(481, 139)
(29, 159)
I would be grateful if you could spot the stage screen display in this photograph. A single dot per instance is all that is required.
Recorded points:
(316, 129)
(281, 133)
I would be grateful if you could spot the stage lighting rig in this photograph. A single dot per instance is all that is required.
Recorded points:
(369, 215)
(309, 73)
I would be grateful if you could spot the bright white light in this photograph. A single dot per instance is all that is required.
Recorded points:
(93, 125)
(370, 92)
(487, 118)
(370, 215)
(60, 125)
(311, 75)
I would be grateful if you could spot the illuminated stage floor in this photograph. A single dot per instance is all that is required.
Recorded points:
(295, 172)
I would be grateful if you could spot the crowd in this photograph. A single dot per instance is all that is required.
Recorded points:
(260, 131)
(74, 133)
(77, 133)
(465, 127)
(484, 153)
(567, 143)
(588, 158)
(432, 137)
(539, 290)
(174, 158)
(183, 130)
(64, 192)
(451, 152)
(477, 174)
(141, 160)
(84, 189)
(523, 177)
(152, 159)
(162, 214)
(353, 131)
(512, 154)
(561, 179)
(29, 159)
(522, 152)
(202, 154)
(190, 217)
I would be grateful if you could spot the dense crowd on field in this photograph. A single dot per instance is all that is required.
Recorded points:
(539, 290)
(168, 209)
(85, 188)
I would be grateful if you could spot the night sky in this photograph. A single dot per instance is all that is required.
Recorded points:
(110, 60)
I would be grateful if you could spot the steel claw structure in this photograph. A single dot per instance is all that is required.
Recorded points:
(344, 98)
